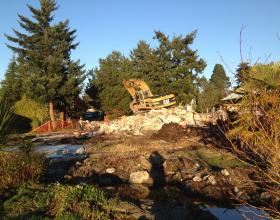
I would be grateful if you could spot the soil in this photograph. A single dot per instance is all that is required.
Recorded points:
(170, 132)
(168, 162)
(168, 158)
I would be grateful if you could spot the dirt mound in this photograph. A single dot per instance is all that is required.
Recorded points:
(170, 132)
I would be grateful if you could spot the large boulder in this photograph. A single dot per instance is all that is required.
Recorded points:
(139, 177)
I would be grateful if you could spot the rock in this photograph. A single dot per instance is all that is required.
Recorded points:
(205, 177)
(77, 134)
(110, 170)
(139, 177)
(211, 179)
(171, 119)
(225, 172)
(197, 178)
(186, 176)
(172, 166)
(67, 177)
(81, 150)
(239, 194)
(190, 165)
(144, 163)
(236, 189)
(78, 163)
(265, 196)
(244, 196)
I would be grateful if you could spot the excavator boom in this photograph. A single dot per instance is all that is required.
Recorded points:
(134, 85)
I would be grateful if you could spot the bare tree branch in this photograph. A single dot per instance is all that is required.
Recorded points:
(227, 66)
(257, 61)
(267, 58)
(240, 42)
(250, 60)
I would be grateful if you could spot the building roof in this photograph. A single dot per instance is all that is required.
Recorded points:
(232, 96)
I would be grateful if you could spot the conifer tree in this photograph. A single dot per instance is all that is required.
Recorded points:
(11, 86)
(146, 66)
(172, 67)
(214, 89)
(107, 84)
(44, 51)
(220, 81)
(242, 73)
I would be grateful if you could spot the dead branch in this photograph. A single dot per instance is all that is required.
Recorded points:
(240, 42)
(267, 58)
(227, 66)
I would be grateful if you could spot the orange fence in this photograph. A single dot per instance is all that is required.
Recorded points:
(60, 125)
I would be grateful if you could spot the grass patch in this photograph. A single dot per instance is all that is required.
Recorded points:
(212, 158)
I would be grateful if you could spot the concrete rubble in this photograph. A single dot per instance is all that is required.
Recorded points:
(151, 121)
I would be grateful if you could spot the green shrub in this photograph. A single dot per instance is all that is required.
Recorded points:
(60, 202)
(36, 112)
(86, 201)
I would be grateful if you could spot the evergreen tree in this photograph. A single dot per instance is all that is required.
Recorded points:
(220, 81)
(107, 86)
(214, 90)
(69, 93)
(207, 97)
(172, 67)
(44, 56)
(11, 86)
(146, 66)
(242, 73)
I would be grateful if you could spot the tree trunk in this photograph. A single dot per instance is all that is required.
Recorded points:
(62, 119)
(51, 108)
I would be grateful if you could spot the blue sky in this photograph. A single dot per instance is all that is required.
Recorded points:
(106, 25)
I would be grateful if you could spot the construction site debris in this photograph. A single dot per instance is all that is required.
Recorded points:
(152, 121)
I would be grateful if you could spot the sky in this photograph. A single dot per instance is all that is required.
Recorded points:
(106, 25)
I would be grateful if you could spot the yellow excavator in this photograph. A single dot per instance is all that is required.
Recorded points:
(143, 98)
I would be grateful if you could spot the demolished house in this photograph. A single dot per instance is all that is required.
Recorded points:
(151, 121)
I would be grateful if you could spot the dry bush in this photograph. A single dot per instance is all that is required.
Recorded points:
(255, 135)
(17, 168)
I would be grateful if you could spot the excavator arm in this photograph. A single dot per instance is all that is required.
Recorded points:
(134, 85)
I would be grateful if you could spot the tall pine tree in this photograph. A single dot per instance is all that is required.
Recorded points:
(44, 51)
(220, 80)
(172, 67)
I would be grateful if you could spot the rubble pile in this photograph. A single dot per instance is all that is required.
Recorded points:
(151, 121)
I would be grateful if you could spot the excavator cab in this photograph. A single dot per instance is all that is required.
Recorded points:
(143, 98)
